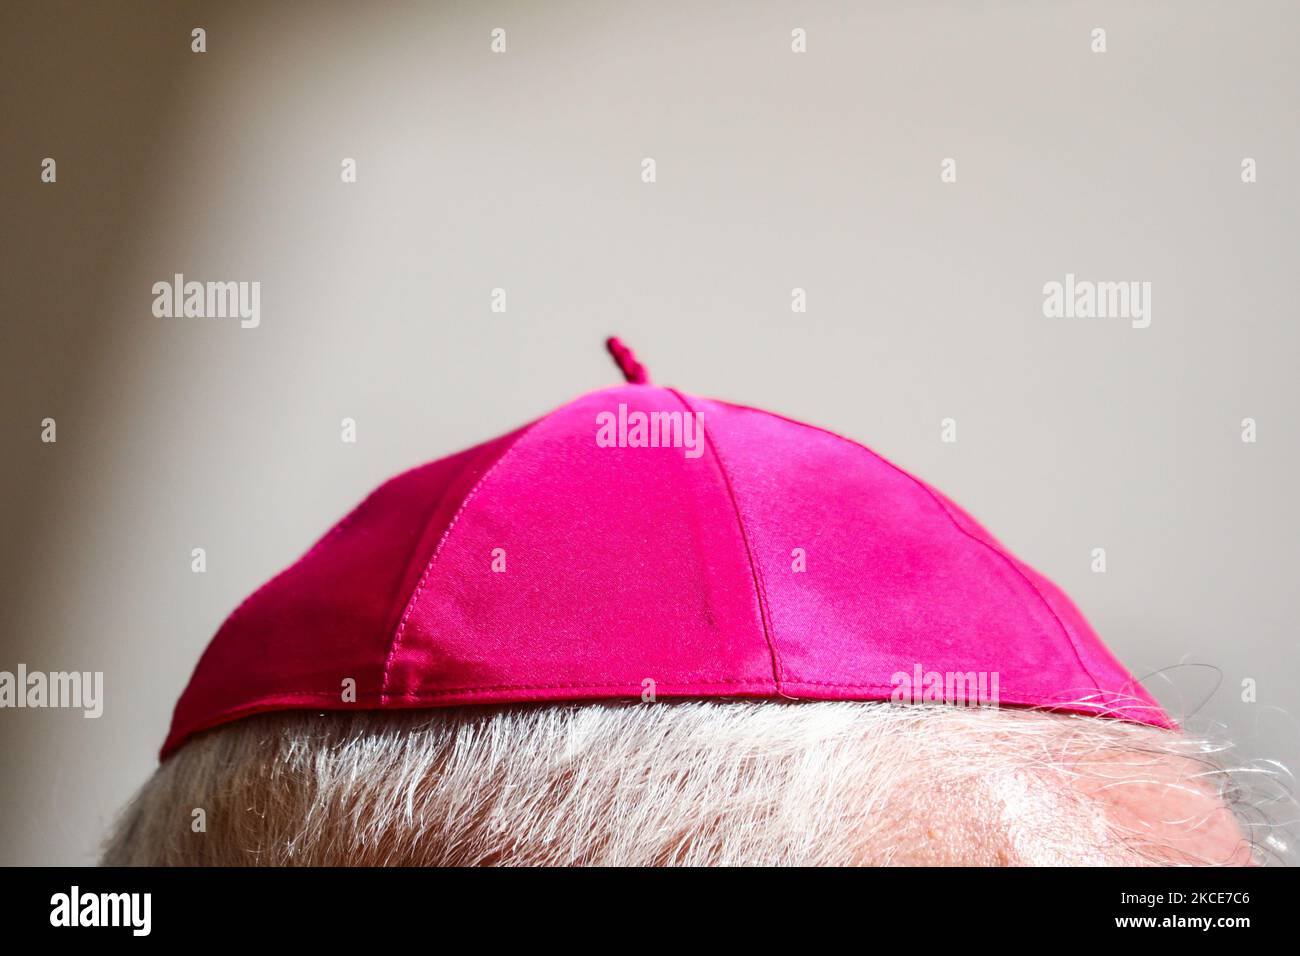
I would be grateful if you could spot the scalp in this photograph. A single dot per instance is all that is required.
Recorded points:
(701, 782)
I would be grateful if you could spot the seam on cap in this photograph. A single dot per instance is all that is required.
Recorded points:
(996, 549)
(384, 694)
(760, 587)
(390, 620)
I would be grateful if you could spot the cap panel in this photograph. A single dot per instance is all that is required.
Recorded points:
(615, 565)
(328, 616)
(892, 581)
(1113, 690)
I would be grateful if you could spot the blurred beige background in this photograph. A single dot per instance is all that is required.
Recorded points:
(522, 170)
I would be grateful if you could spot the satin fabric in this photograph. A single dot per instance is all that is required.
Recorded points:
(541, 566)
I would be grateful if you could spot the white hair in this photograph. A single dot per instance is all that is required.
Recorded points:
(698, 782)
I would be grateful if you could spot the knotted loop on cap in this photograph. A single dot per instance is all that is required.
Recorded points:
(632, 370)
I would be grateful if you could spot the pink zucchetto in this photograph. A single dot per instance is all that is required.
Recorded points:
(640, 543)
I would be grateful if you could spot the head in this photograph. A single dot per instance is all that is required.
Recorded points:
(697, 782)
(448, 623)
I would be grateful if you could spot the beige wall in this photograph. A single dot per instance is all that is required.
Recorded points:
(521, 170)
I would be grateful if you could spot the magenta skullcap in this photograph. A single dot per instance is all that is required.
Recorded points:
(641, 543)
